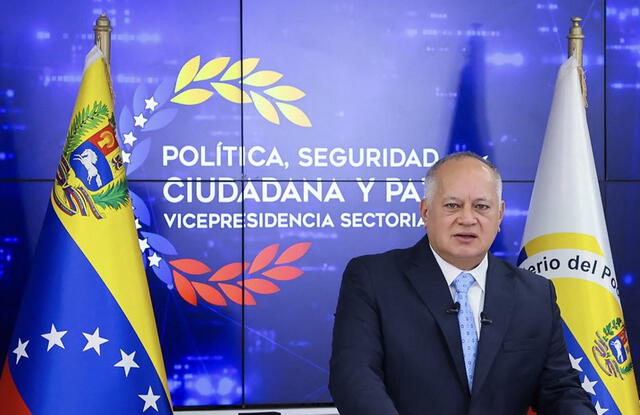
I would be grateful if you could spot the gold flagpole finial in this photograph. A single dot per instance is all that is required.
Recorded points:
(576, 40)
(102, 30)
(576, 44)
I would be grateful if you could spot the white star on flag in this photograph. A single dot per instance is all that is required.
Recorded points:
(588, 385)
(94, 341)
(140, 121)
(54, 337)
(21, 350)
(150, 104)
(126, 362)
(575, 363)
(150, 400)
(129, 138)
(126, 157)
(138, 226)
(143, 244)
(154, 260)
(600, 410)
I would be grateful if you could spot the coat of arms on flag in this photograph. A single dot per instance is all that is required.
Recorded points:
(91, 175)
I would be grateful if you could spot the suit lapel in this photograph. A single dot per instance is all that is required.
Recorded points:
(498, 306)
(427, 279)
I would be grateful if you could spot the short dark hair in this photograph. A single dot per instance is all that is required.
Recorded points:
(430, 177)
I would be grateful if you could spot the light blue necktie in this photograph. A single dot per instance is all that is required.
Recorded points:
(467, 323)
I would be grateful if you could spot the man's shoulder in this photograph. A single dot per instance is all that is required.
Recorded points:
(394, 256)
(521, 275)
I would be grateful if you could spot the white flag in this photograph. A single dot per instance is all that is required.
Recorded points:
(565, 239)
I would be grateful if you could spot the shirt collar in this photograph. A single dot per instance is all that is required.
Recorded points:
(450, 272)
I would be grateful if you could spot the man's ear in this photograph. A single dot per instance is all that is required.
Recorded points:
(424, 211)
(501, 210)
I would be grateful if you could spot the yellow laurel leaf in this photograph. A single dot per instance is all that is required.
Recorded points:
(187, 73)
(265, 108)
(231, 92)
(262, 78)
(192, 96)
(212, 68)
(240, 69)
(294, 114)
(285, 93)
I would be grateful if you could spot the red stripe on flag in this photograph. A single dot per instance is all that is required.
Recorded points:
(531, 412)
(10, 398)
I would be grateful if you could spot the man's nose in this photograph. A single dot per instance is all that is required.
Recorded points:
(467, 216)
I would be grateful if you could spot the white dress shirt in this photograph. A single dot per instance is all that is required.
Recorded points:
(477, 289)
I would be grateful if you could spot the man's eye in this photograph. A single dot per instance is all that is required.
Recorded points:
(482, 206)
(451, 205)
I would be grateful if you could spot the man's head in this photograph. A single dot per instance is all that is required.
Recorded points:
(462, 208)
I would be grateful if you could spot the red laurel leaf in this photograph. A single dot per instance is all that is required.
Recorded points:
(235, 294)
(190, 266)
(283, 273)
(260, 285)
(185, 289)
(210, 294)
(264, 258)
(294, 252)
(229, 271)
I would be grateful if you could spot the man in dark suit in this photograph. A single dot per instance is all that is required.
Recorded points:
(446, 328)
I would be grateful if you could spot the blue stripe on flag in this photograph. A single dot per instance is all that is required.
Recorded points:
(522, 256)
(66, 291)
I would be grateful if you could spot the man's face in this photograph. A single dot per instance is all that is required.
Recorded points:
(464, 215)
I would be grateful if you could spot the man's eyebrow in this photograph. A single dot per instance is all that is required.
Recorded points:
(478, 199)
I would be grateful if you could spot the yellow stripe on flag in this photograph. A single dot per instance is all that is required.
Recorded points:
(563, 240)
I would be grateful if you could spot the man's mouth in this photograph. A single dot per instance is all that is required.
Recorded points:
(465, 236)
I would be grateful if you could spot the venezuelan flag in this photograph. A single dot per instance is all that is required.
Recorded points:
(566, 240)
(85, 341)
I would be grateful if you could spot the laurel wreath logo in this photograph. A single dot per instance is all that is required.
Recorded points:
(192, 279)
(240, 73)
(190, 289)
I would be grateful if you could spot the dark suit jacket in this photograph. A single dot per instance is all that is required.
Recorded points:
(397, 351)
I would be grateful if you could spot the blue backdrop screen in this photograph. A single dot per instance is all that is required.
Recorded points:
(273, 185)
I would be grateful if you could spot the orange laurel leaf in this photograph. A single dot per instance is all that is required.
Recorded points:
(229, 271)
(283, 273)
(210, 294)
(185, 289)
(235, 294)
(294, 252)
(264, 258)
(260, 285)
(190, 266)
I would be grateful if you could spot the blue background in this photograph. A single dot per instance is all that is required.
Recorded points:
(407, 74)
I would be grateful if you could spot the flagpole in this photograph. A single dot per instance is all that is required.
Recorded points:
(576, 44)
(102, 30)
